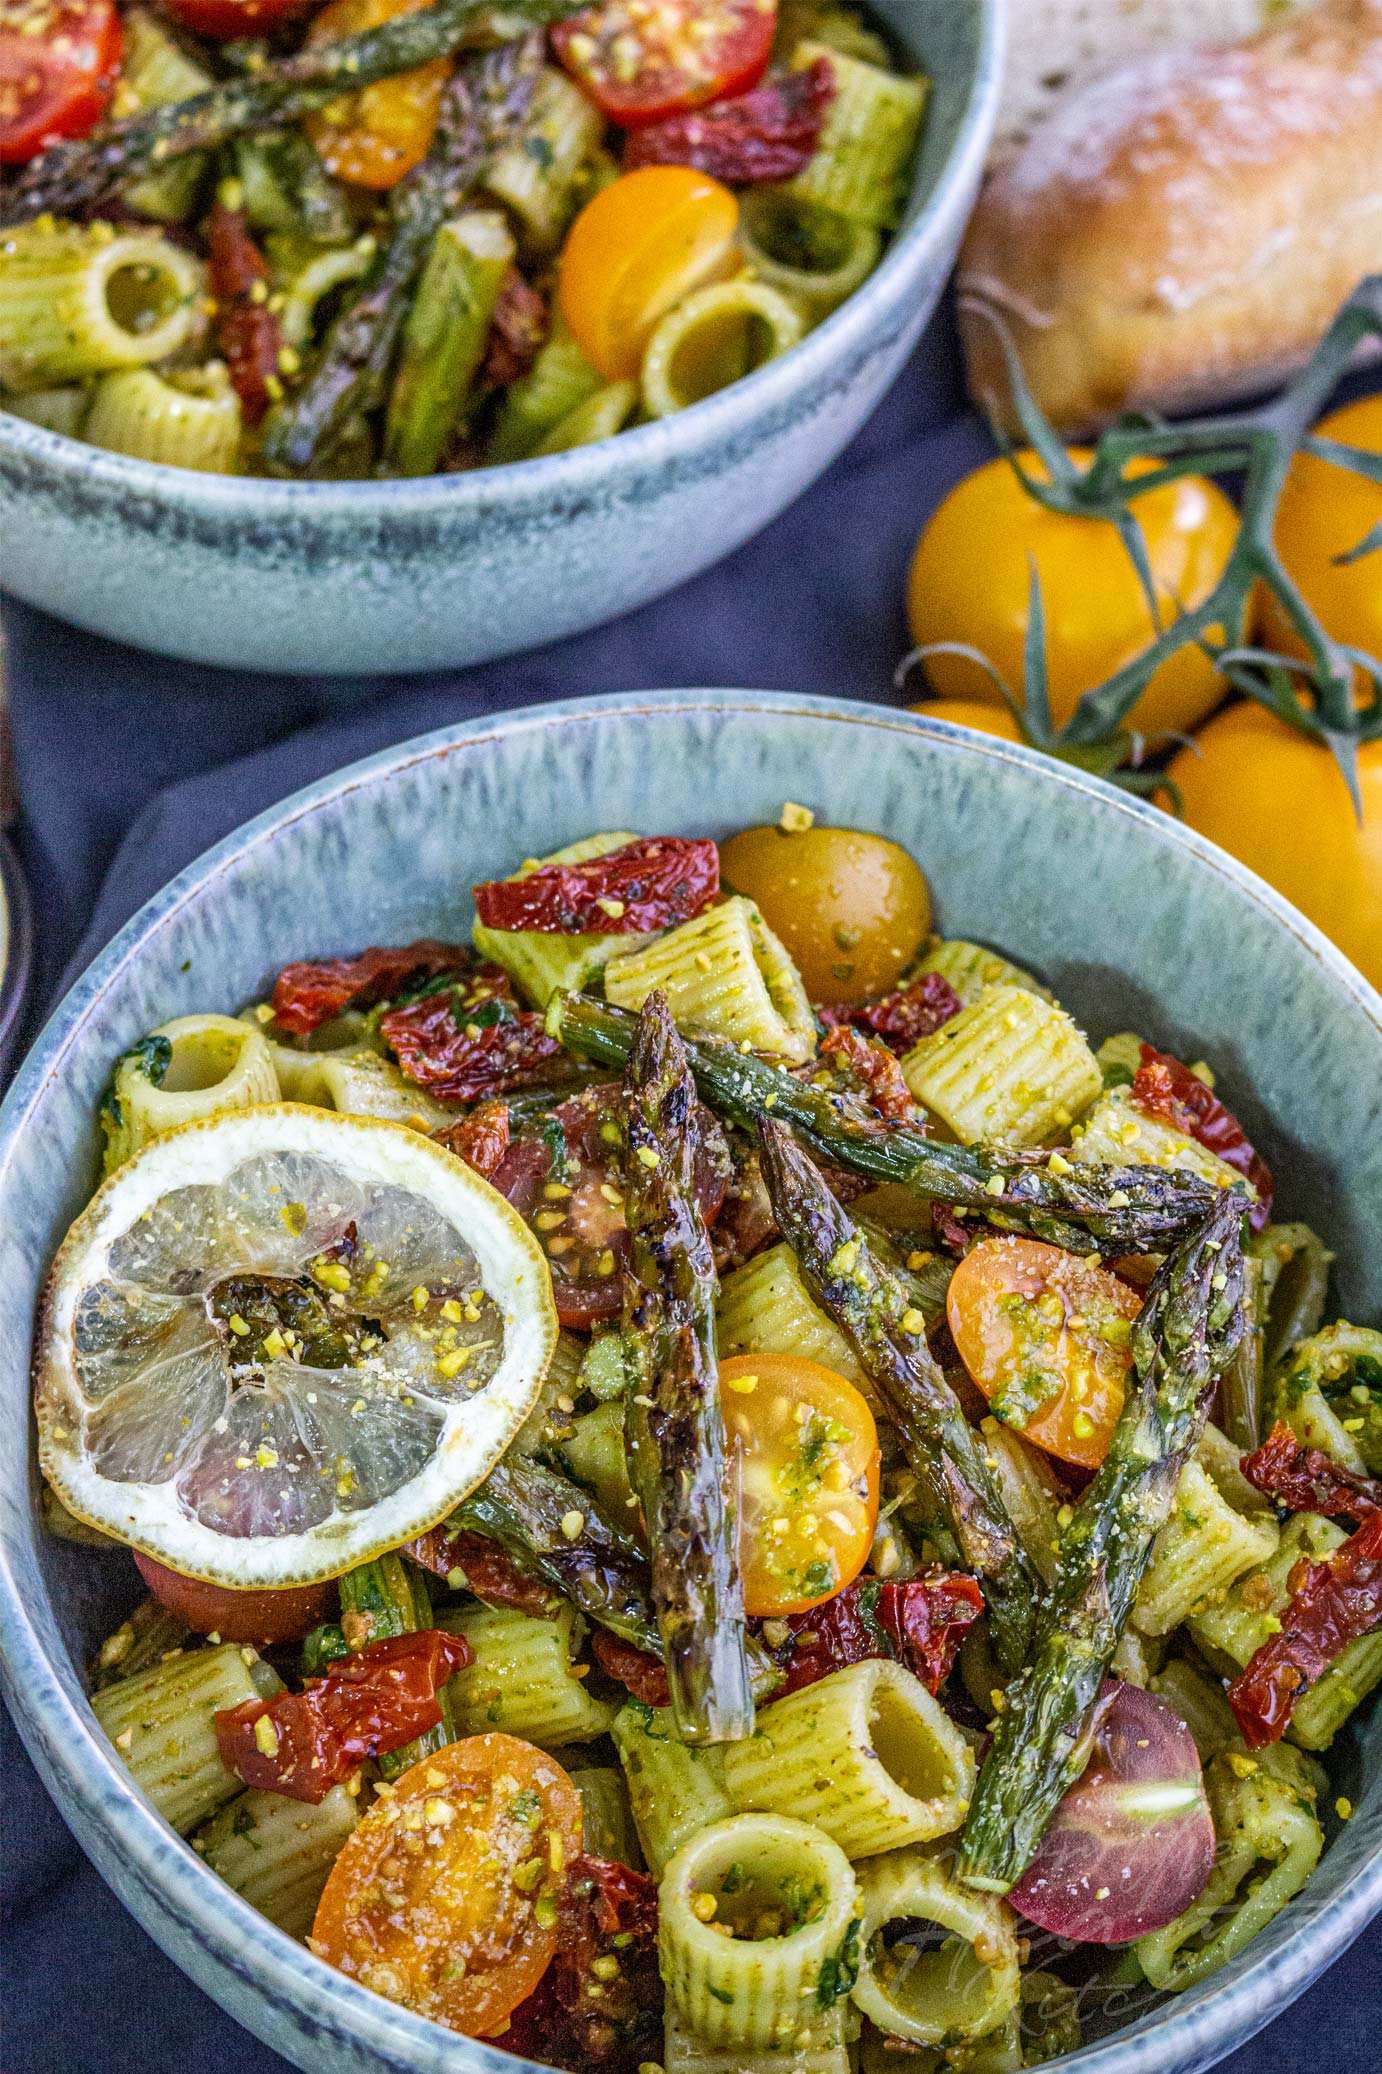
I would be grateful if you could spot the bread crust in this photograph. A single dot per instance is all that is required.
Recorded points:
(1182, 231)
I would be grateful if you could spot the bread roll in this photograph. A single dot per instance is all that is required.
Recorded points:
(1181, 231)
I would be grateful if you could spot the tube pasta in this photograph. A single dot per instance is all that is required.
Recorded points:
(809, 254)
(57, 410)
(764, 1307)
(788, 1895)
(541, 965)
(1203, 1548)
(195, 1067)
(538, 177)
(599, 417)
(364, 1084)
(867, 1753)
(298, 1060)
(559, 380)
(1010, 1067)
(1115, 1134)
(842, 28)
(160, 1721)
(725, 974)
(1030, 1492)
(156, 71)
(1269, 1844)
(867, 142)
(190, 419)
(606, 1815)
(820, 2048)
(970, 967)
(83, 300)
(675, 1790)
(1350, 1428)
(305, 288)
(276, 1853)
(715, 337)
(523, 1678)
(945, 1995)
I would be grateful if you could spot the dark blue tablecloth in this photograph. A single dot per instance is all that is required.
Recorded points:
(129, 765)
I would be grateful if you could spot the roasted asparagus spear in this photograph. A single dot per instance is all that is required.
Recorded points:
(1187, 1333)
(483, 102)
(889, 1340)
(675, 1432)
(79, 175)
(1114, 1209)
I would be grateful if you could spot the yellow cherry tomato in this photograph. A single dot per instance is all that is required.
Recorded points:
(807, 1450)
(641, 245)
(1324, 511)
(1275, 799)
(969, 582)
(375, 136)
(986, 719)
(1047, 1339)
(851, 908)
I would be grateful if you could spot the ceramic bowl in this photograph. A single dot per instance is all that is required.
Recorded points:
(16, 953)
(371, 577)
(1135, 921)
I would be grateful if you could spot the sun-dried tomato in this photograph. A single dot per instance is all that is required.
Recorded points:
(480, 1139)
(581, 2021)
(956, 1233)
(1333, 1604)
(1164, 1088)
(903, 1018)
(488, 1570)
(920, 1623)
(464, 1053)
(1307, 1479)
(645, 1676)
(649, 884)
(875, 1069)
(766, 134)
(301, 1744)
(307, 995)
(517, 331)
(247, 330)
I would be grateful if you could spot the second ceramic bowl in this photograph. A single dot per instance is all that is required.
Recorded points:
(373, 577)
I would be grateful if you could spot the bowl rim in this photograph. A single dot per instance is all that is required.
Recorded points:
(82, 1772)
(645, 449)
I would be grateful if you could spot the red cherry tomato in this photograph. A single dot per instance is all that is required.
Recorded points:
(261, 1617)
(1132, 1843)
(58, 62)
(224, 19)
(669, 56)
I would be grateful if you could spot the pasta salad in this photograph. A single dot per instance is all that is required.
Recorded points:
(403, 237)
(718, 1491)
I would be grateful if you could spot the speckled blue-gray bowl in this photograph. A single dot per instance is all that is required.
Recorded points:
(390, 576)
(1137, 923)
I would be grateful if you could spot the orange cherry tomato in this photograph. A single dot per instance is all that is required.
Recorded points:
(1324, 511)
(985, 719)
(807, 1449)
(969, 582)
(1048, 1341)
(375, 136)
(445, 1897)
(852, 908)
(638, 247)
(262, 1617)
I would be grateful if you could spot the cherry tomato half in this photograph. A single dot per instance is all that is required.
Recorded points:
(445, 1897)
(222, 20)
(1048, 1341)
(261, 1617)
(1324, 511)
(807, 1449)
(58, 62)
(375, 136)
(641, 245)
(851, 908)
(641, 63)
(971, 570)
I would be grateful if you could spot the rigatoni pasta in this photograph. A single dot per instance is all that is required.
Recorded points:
(524, 1679)
(724, 974)
(957, 1991)
(1010, 1068)
(77, 301)
(276, 1853)
(161, 1722)
(196, 1067)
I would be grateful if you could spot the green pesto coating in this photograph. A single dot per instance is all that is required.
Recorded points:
(1112, 1210)
(674, 1428)
(1188, 1331)
(602, 1571)
(78, 175)
(484, 102)
(869, 1305)
(382, 1598)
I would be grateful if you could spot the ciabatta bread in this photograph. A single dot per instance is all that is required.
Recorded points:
(1181, 232)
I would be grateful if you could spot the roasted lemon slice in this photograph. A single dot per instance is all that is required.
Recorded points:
(281, 1340)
